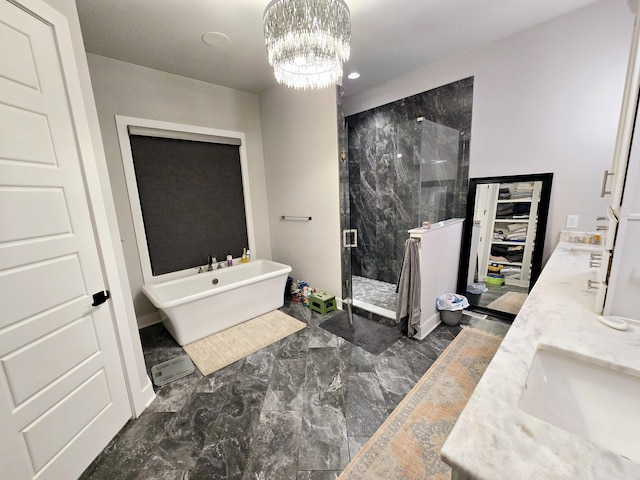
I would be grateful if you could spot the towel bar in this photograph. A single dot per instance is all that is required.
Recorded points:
(295, 218)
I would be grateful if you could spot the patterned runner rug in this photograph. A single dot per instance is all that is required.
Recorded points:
(407, 445)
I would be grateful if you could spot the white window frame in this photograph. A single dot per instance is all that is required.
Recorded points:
(181, 131)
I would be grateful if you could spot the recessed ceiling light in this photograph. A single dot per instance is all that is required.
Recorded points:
(216, 39)
(353, 75)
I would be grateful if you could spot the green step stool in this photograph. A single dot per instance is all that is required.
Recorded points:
(322, 302)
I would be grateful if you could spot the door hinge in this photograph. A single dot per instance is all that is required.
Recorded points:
(100, 297)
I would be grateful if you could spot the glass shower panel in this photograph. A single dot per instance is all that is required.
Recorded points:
(440, 162)
(345, 208)
(408, 135)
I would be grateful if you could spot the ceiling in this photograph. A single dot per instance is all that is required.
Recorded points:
(389, 37)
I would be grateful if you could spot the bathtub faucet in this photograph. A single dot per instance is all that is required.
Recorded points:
(210, 261)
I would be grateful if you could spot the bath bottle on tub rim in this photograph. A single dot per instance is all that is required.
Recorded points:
(229, 260)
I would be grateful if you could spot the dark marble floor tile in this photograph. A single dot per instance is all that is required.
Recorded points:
(285, 391)
(361, 360)
(299, 311)
(174, 395)
(433, 345)
(417, 361)
(395, 377)
(320, 338)
(294, 346)
(176, 451)
(201, 411)
(258, 365)
(216, 463)
(228, 443)
(356, 444)
(163, 475)
(366, 405)
(131, 449)
(274, 447)
(325, 368)
(319, 475)
(232, 423)
(323, 443)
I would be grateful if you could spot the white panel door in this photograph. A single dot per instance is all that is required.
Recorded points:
(62, 389)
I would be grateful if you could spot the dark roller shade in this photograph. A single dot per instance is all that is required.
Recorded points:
(192, 201)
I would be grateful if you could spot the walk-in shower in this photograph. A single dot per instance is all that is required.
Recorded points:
(408, 162)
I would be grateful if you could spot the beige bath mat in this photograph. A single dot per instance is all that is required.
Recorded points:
(510, 302)
(223, 348)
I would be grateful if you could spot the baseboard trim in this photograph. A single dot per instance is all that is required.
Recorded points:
(148, 320)
(428, 326)
(147, 396)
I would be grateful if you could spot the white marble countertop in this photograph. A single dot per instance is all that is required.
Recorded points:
(493, 439)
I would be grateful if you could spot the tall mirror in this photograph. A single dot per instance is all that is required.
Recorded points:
(501, 254)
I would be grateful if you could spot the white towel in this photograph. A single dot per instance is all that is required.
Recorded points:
(408, 305)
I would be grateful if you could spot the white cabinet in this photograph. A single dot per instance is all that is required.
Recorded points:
(621, 278)
(623, 296)
(614, 179)
(509, 222)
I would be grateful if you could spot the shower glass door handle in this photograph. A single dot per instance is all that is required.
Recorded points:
(350, 238)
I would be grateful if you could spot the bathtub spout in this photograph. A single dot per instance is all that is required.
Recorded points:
(210, 261)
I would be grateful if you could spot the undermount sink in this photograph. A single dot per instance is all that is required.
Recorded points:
(585, 398)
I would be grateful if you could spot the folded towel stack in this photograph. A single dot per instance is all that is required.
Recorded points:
(522, 190)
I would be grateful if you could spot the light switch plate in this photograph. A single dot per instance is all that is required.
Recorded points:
(572, 221)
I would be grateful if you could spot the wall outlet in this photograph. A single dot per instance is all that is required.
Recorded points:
(572, 221)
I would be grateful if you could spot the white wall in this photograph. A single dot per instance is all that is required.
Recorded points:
(139, 384)
(124, 89)
(545, 100)
(300, 139)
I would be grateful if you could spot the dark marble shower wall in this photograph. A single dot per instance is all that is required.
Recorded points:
(385, 153)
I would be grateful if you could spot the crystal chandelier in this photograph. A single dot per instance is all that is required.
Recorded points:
(307, 41)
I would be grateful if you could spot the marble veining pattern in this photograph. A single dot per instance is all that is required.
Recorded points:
(493, 438)
(402, 172)
(375, 292)
(366, 405)
(299, 409)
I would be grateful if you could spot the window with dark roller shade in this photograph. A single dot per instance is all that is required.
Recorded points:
(192, 200)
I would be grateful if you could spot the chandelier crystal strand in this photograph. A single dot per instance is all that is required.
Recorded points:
(307, 41)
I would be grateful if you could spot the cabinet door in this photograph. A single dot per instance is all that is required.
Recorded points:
(630, 201)
(624, 280)
(613, 180)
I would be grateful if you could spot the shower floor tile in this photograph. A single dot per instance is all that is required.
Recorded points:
(374, 292)
(299, 409)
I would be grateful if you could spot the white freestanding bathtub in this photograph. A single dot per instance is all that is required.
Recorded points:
(202, 304)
